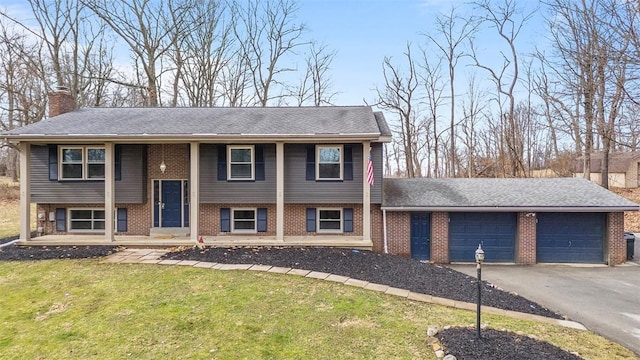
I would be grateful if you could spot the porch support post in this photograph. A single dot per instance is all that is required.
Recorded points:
(280, 190)
(25, 192)
(109, 191)
(366, 193)
(194, 191)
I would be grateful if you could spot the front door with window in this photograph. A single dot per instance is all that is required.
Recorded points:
(170, 204)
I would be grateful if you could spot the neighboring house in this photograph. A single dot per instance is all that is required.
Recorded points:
(624, 169)
(289, 176)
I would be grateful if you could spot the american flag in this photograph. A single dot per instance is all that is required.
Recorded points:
(370, 179)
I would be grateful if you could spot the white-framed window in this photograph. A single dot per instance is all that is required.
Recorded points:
(243, 220)
(329, 162)
(83, 220)
(241, 160)
(82, 162)
(329, 220)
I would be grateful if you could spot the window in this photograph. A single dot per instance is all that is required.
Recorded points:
(241, 161)
(329, 163)
(82, 163)
(330, 220)
(86, 219)
(243, 220)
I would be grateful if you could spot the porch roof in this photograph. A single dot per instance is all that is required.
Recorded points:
(511, 195)
(140, 124)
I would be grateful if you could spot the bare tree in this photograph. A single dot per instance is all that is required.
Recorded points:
(452, 32)
(316, 82)
(434, 85)
(266, 33)
(508, 20)
(147, 30)
(399, 96)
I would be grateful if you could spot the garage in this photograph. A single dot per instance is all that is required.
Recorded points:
(496, 232)
(570, 237)
(421, 235)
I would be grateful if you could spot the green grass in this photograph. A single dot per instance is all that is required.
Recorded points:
(86, 310)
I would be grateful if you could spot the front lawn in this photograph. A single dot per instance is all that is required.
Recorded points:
(83, 309)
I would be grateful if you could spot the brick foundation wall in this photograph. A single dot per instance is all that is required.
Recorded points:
(399, 232)
(616, 244)
(138, 217)
(295, 218)
(526, 239)
(440, 237)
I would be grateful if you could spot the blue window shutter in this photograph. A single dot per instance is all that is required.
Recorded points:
(311, 219)
(61, 219)
(118, 163)
(262, 220)
(222, 162)
(259, 156)
(311, 162)
(122, 220)
(347, 213)
(53, 163)
(225, 220)
(348, 162)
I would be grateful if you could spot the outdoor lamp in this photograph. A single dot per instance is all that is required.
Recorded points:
(479, 260)
(163, 167)
(479, 255)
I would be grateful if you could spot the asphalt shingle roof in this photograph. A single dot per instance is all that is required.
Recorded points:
(527, 194)
(259, 121)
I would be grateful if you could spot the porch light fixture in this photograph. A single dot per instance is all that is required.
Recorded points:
(479, 260)
(163, 167)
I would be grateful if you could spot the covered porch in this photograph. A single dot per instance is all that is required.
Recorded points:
(168, 240)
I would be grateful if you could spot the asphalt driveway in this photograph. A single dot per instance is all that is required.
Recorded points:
(605, 299)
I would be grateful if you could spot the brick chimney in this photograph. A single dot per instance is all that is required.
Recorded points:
(61, 101)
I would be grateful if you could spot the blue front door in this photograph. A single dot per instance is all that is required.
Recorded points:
(420, 235)
(171, 203)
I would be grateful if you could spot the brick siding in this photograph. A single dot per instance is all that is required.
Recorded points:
(440, 237)
(526, 239)
(399, 232)
(210, 218)
(295, 218)
(617, 245)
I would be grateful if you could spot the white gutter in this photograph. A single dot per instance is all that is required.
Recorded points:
(9, 243)
(384, 230)
(513, 208)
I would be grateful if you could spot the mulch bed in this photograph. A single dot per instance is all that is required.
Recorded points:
(494, 344)
(21, 253)
(377, 268)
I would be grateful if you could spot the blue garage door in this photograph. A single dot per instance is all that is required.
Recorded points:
(570, 237)
(421, 235)
(495, 231)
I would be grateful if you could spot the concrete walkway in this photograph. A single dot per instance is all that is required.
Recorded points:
(605, 299)
(152, 256)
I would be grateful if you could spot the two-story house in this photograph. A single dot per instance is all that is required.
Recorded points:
(232, 175)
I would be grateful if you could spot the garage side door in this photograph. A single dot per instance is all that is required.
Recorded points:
(495, 231)
(421, 235)
(570, 237)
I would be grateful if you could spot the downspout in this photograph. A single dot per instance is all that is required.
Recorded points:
(384, 230)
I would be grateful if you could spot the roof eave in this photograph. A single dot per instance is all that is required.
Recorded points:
(150, 138)
(512, 208)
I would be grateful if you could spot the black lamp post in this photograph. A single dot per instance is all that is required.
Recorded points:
(479, 260)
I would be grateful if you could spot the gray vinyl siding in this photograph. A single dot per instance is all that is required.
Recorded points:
(299, 190)
(131, 189)
(213, 190)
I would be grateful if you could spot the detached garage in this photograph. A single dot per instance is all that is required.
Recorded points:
(524, 221)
